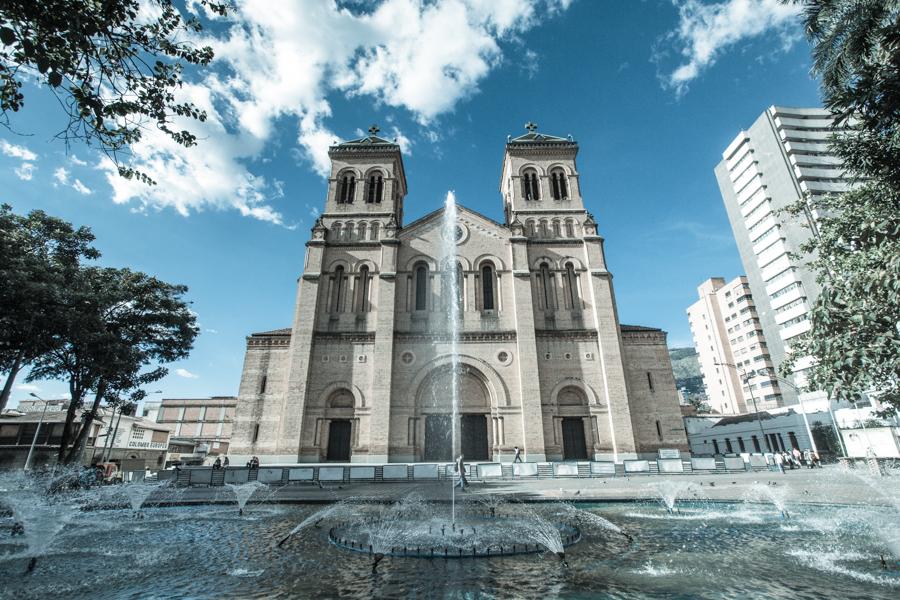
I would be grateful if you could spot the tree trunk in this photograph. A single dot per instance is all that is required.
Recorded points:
(78, 446)
(10, 379)
(74, 403)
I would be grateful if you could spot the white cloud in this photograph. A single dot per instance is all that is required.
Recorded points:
(77, 161)
(17, 151)
(705, 30)
(286, 59)
(186, 374)
(61, 175)
(211, 330)
(28, 387)
(80, 187)
(25, 171)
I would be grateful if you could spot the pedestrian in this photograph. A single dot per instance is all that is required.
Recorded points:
(518, 455)
(461, 481)
(779, 462)
(226, 462)
(807, 458)
(254, 462)
(817, 461)
(218, 463)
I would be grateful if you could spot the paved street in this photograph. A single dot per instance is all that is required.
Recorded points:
(827, 485)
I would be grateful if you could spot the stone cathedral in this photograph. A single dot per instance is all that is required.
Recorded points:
(362, 374)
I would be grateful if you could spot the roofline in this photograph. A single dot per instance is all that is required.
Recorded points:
(428, 216)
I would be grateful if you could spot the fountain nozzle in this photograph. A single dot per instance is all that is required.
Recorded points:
(378, 558)
(31, 565)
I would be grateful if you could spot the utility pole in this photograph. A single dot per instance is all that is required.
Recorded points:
(746, 379)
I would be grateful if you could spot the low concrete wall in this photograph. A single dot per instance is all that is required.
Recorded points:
(670, 465)
(637, 466)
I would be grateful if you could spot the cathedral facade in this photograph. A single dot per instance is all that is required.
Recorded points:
(363, 373)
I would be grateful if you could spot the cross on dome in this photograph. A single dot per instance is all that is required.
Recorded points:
(373, 130)
(531, 126)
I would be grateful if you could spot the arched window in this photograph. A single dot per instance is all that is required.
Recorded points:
(421, 287)
(531, 186)
(545, 228)
(336, 231)
(532, 228)
(572, 286)
(557, 232)
(346, 188)
(374, 188)
(373, 232)
(364, 284)
(488, 300)
(349, 231)
(549, 294)
(337, 290)
(361, 231)
(570, 228)
(558, 187)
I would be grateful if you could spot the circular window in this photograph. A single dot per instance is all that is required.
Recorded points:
(407, 358)
(568, 356)
(504, 357)
(460, 233)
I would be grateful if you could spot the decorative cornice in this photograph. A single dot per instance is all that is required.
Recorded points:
(268, 341)
(468, 336)
(390, 276)
(557, 241)
(311, 276)
(347, 337)
(569, 334)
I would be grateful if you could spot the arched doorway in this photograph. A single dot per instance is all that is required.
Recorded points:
(571, 402)
(340, 426)
(434, 405)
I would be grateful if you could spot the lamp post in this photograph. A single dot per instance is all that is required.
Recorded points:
(834, 422)
(746, 379)
(36, 431)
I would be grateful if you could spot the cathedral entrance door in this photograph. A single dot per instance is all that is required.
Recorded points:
(438, 438)
(474, 442)
(574, 447)
(339, 440)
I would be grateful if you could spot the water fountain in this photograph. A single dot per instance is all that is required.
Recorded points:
(449, 259)
(772, 494)
(243, 491)
(671, 490)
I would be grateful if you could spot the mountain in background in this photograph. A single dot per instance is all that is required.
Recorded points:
(686, 367)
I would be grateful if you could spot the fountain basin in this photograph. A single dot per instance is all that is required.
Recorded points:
(469, 537)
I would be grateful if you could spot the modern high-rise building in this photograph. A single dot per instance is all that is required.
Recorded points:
(784, 156)
(734, 358)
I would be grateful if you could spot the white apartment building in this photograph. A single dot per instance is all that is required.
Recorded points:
(734, 359)
(782, 157)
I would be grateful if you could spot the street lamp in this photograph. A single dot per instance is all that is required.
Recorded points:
(834, 423)
(36, 431)
(746, 378)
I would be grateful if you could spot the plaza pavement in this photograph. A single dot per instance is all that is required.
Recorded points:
(831, 484)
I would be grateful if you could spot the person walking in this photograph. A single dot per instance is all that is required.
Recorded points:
(795, 455)
(461, 481)
(779, 462)
(807, 458)
(518, 455)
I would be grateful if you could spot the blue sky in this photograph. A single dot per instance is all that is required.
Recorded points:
(653, 91)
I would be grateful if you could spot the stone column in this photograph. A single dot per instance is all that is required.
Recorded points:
(616, 433)
(382, 367)
(526, 347)
(292, 431)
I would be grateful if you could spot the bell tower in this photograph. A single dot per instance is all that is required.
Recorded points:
(539, 176)
(367, 180)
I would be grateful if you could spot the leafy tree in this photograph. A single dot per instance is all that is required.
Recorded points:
(40, 256)
(126, 322)
(114, 66)
(855, 250)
